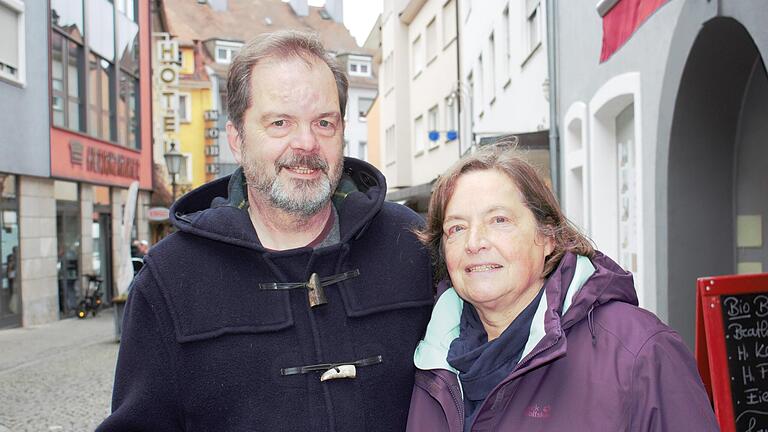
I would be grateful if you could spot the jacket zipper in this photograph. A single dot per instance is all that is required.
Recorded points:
(456, 401)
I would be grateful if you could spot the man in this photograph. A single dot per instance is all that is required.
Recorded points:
(292, 296)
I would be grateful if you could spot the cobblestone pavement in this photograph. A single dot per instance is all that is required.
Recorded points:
(57, 377)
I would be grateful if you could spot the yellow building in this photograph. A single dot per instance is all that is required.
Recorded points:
(194, 101)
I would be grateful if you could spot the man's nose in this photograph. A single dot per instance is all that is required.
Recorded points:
(304, 139)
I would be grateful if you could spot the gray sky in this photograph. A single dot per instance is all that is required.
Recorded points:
(359, 16)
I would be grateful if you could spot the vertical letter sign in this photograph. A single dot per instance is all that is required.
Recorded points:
(732, 348)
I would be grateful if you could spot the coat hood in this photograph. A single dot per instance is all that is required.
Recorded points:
(218, 210)
(577, 286)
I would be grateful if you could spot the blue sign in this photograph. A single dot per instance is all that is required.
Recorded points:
(451, 135)
(434, 135)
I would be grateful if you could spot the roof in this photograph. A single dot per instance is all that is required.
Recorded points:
(243, 20)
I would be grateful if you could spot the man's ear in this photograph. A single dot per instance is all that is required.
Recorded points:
(235, 143)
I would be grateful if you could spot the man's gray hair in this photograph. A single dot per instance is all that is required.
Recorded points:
(280, 44)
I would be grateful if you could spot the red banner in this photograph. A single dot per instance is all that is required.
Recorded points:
(621, 22)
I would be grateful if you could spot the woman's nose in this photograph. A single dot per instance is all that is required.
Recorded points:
(477, 239)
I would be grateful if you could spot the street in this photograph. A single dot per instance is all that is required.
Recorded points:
(58, 376)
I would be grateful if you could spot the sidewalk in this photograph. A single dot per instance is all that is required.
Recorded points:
(22, 346)
(57, 377)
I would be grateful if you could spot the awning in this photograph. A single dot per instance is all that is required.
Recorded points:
(621, 18)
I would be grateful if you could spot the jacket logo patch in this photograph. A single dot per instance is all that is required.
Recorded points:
(538, 411)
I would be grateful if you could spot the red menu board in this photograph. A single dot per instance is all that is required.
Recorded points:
(732, 348)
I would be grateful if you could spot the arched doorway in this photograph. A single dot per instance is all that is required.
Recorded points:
(718, 165)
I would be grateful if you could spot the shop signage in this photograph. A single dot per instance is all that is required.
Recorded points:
(732, 348)
(103, 161)
(158, 214)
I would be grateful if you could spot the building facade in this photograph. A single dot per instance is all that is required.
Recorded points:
(209, 34)
(504, 74)
(663, 142)
(81, 139)
(419, 92)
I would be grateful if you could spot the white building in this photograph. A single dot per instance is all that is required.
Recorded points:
(418, 92)
(504, 73)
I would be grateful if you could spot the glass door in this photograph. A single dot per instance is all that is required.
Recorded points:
(102, 253)
(10, 271)
(68, 237)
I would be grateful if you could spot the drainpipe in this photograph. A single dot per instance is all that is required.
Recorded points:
(551, 66)
(459, 126)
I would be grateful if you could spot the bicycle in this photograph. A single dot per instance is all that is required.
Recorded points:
(92, 301)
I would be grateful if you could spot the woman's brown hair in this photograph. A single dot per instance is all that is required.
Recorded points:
(536, 195)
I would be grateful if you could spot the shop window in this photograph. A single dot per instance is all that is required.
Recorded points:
(10, 258)
(12, 37)
(101, 76)
(67, 65)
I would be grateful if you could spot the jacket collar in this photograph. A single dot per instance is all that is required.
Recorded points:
(443, 327)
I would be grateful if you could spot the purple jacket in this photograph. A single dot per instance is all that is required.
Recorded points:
(594, 361)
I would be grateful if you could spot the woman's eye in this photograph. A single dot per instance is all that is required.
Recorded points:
(278, 123)
(454, 229)
(500, 219)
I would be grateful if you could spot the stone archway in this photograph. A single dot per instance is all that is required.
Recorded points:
(714, 121)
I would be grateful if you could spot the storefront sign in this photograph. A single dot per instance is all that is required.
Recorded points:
(82, 158)
(158, 214)
(166, 83)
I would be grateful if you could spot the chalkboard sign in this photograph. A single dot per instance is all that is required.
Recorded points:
(732, 348)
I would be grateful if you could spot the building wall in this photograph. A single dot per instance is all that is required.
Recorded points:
(357, 130)
(37, 240)
(694, 105)
(433, 84)
(374, 133)
(192, 135)
(514, 89)
(394, 85)
(25, 149)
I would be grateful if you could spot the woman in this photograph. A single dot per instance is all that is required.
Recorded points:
(539, 331)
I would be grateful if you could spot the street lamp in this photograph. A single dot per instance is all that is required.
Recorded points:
(173, 161)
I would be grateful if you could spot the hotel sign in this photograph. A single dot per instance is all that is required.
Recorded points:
(166, 82)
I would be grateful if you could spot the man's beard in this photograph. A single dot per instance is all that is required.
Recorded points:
(294, 196)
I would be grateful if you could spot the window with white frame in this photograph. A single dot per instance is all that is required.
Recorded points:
(12, 40)
(225, 51)
(417, 51)
(419, 135)
(533, 23)
(362, 150)
(363, 105)
(185, 169)
(480, 82)
(389, 145)
(359, 66)
(492, 68)
(505, 27)
(432, 39)
(389, 72)
(185, 107)
(450, 114)
(449, 22)
(432, 124)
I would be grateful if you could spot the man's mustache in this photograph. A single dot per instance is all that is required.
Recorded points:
(311, 161)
